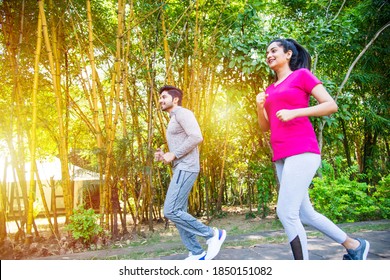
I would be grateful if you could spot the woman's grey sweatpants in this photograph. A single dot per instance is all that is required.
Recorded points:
(294, 208)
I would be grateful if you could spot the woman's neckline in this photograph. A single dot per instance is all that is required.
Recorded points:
(278, 82)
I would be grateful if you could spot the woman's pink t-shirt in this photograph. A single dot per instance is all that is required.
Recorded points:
(296, 136)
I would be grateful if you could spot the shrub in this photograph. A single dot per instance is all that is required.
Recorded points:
(341, 199)
(382, 196)
(83, 224)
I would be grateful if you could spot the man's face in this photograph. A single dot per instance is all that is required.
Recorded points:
(167, 102)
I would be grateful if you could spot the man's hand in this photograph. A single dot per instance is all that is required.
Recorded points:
(158, 155)
(168, 157)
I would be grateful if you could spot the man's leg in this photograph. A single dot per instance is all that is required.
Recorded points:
(175, 209)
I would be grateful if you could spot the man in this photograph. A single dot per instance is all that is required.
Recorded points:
(184, 136)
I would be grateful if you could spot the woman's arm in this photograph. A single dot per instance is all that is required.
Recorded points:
(261, 113)
(326, 106)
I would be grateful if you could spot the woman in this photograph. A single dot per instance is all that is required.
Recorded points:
(284, 110)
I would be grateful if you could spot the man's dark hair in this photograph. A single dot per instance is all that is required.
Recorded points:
(172, 91)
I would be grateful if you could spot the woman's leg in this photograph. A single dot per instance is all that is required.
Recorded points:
(295, 175)
(310, 216)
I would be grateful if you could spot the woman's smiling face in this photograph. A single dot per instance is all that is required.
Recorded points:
(276, 57)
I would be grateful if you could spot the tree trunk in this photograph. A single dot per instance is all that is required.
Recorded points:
(3, 203)
(95, 112)
(168, 68)
(53, 229)
(369, 143)
(33, 135)
(12, 49)
(345, 143)
(62, 141)
(221, 178)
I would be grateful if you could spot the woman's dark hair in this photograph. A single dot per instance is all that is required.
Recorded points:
(172, 91)
(300, 57)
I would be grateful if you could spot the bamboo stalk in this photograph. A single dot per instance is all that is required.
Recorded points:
(34, 125)
(61, 141)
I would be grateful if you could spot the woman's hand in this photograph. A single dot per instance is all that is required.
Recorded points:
(260, 99)
(261, 113)
(326, 106)
(286, 115)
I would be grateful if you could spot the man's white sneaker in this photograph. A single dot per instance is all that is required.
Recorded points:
(195, 257)
(214, 243)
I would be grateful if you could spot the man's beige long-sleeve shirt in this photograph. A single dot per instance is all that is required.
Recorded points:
(184, 136)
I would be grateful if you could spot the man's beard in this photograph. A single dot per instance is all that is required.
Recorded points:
(166, 106)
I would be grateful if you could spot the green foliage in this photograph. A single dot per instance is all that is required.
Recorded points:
(382, 196)
(344, 200)
(265, 188)
(83, 225)
(220, 214)
(250, 215)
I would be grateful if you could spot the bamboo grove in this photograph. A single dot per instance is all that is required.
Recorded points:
(80, 78)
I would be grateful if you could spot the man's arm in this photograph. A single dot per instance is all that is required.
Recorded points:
(194, 135)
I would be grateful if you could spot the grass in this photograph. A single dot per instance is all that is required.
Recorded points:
(356, 228)
(236, 226)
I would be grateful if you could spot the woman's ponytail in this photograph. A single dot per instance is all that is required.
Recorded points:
(301, 59)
